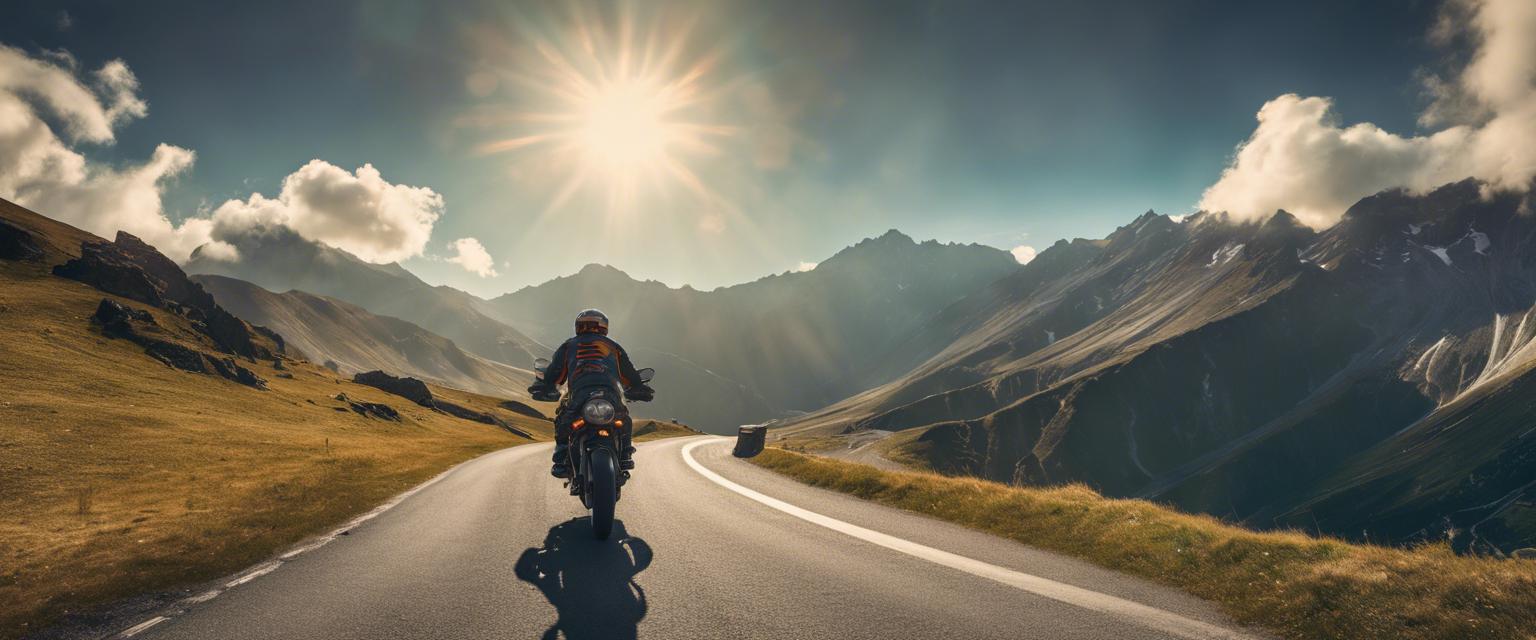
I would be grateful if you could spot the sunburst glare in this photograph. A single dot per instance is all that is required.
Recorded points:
(614, 107)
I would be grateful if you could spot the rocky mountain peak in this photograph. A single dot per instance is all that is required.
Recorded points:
(1283, 230)
(594, 270)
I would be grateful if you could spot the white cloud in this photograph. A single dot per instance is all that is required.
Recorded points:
(41, 170)
(358, 212)
(1023, 253)
(806, 266)
(470, 254)
(1301, 159)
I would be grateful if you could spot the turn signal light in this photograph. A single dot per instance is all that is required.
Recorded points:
(578, 423)
(602, 432)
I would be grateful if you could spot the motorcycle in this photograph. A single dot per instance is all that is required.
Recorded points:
(595, 446)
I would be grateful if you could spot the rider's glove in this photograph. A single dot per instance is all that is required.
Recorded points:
(640, 393)
(543, 392)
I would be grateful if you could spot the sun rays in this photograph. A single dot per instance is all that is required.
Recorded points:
(612, 107)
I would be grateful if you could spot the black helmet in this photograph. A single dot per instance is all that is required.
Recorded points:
(592, 321)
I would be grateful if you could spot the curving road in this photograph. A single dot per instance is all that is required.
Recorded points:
(708, 547)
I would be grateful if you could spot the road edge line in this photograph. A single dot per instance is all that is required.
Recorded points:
(304, 546)
(1144, 615)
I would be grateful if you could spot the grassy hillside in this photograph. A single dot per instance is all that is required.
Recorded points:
(1300, 586)
(123, 475)
(657, 430)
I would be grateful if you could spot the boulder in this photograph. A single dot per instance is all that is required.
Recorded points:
(409, 388)
(282, 347)
(369, 409)
(116, 319)
(375, 410)
(17, 243)
(232, 370)
(175, 355)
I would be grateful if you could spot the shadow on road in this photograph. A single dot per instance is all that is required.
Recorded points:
(590, 582)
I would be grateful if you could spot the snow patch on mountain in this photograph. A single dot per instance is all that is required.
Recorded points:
(1225, 254)
(1480, 241)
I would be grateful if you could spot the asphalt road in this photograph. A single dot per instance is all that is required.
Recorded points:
(497, 549)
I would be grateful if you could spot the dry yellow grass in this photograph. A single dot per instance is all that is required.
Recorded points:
(1297, 585)
(657, 430)
(120, 475)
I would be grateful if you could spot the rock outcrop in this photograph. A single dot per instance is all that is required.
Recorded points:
(409, 388)
(416, 391)
(132, 269)
(370, 409)
(466, 413)
(139, 326)
(17, 243)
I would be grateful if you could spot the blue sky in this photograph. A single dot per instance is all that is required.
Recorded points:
(1002, 123)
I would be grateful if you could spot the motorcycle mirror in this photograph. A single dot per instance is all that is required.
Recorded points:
(540, 364)
(646, 374)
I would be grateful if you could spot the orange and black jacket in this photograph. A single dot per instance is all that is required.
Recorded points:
(591, 359)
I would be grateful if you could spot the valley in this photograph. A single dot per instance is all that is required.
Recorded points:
(1368, 381)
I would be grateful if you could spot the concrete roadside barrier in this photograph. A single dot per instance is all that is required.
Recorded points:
(750, 439)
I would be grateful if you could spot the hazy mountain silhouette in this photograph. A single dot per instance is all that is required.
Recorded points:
(326, 329)
(796, 340)
(277, 259)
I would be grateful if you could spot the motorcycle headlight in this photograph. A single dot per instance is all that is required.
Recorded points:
(599, 411)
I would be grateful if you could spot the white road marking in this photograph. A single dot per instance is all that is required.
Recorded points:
(201, 598)
(374, 513)
(1144, 615)
(140, 627)
(268, 567)
(259, 571)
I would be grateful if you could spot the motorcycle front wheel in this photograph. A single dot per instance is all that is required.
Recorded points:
(602, 491)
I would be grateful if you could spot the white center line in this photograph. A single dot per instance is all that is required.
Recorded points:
(1144, 615)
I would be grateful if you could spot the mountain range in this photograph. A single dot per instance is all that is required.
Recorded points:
(1369, 380)
(748, 353)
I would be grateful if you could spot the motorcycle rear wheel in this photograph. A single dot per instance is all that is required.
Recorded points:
(602, 492)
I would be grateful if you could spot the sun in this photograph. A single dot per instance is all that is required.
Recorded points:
(624, 126)
(613, 107)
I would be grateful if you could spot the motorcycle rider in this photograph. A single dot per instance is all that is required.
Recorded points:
(589, 359)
